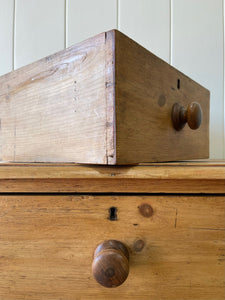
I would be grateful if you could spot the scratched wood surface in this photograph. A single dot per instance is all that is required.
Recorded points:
(178, 177)
(47, 245)
(55, 108)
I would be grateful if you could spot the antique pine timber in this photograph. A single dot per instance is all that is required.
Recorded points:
(151, 231)
(106, 100)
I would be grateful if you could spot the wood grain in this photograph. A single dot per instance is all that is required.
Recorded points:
(47, 245)
(110, 97)
(106, 100)
(55, 109)
(146, 90)
(184, 177)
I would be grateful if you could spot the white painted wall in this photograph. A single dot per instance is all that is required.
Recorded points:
(189, 34)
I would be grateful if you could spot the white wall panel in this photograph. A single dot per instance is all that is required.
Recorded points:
(224, 76)
(39, 29)
(6, 36)
(148, 23)
(87, 18)
(195, 45)
(197, 50)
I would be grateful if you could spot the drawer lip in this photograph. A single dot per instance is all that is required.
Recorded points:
(117, 187)
(184, 177)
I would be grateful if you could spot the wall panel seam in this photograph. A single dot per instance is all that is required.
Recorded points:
(65, 24)
(171, 32)
(118, 14)
(170, 36)
(223, 9)
(13, 34)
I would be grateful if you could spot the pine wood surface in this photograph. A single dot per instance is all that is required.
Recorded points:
(178, 177)
(47, 245)
(146, 90)
(106, 100)
(54, 110)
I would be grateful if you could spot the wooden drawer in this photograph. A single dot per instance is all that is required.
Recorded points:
(176, 246)
(106, 100)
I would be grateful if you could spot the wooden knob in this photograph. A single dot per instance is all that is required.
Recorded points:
(111, 263)
(182, 115)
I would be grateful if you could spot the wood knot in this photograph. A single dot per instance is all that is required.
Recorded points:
(146, 210)
(161, 100)
(138, 245)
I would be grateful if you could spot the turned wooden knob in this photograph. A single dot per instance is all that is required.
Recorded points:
(182, 115)
(111, 263)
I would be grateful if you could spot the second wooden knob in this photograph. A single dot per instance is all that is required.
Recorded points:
(111, 263)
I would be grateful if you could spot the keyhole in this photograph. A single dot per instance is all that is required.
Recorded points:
(178, 84)
(113, 213)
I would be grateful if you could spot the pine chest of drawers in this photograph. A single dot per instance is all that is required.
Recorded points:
(168, 217)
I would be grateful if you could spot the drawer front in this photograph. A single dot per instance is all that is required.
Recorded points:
(176, 246)
(147, 89)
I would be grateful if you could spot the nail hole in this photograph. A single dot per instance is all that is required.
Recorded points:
(178, 84)
(113, 213)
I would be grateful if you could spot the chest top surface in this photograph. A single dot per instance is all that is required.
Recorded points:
(177, 177)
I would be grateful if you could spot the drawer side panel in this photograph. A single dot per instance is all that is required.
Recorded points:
(54, 110)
